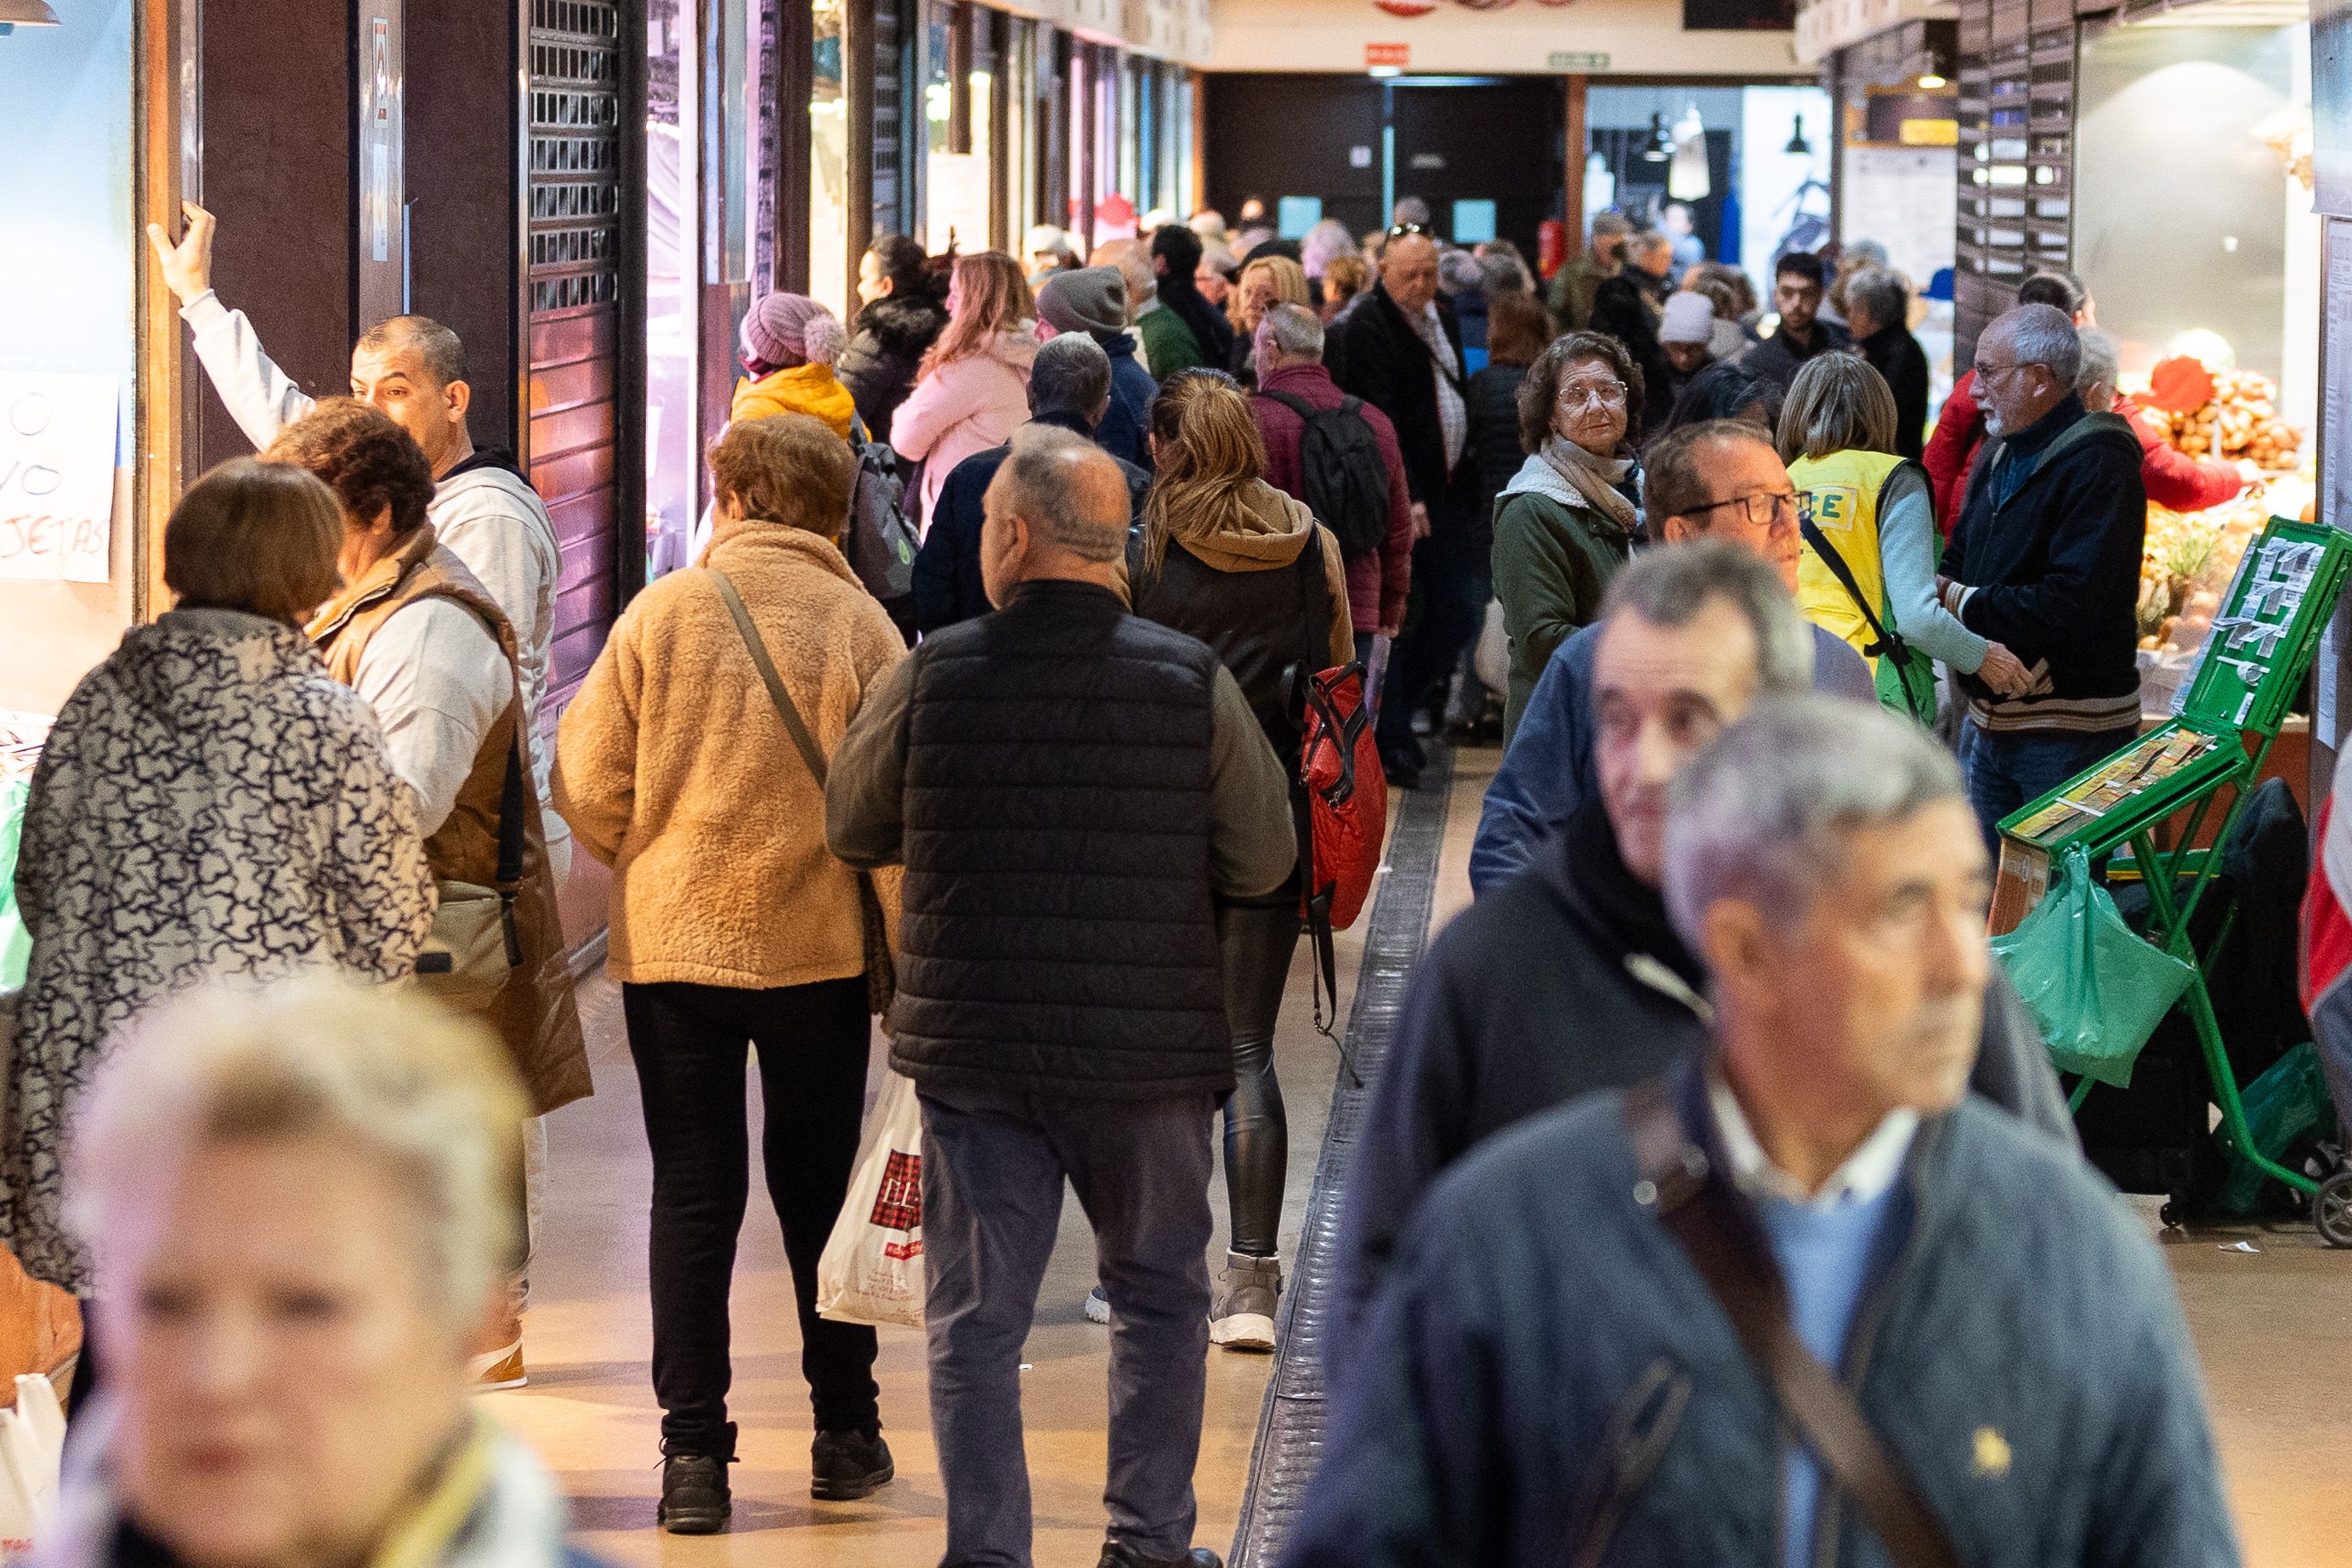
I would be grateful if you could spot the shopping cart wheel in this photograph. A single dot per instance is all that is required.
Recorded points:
(2331, 1209)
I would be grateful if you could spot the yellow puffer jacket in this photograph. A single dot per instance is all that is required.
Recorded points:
(808, 389)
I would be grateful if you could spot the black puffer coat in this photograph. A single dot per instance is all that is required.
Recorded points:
(885, 348)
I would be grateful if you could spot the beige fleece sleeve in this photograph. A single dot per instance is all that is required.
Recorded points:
(595, 783)
(1335, 579)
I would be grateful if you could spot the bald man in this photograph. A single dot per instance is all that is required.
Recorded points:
(411, 369)
(1071, 789)
(1404, 356)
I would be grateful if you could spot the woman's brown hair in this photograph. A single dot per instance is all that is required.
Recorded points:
(1837, 404)
(1209, 455)
(1344, 277)
(1539, 393)
(789, 468)
(992, 297)
(256, 536)
(1517, 328)
(369, 463)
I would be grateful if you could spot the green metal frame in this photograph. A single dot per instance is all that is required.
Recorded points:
(2225, 704)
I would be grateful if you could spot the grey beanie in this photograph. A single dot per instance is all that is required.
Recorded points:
(1085, 299)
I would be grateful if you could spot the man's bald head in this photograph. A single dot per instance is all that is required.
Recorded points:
(1057, 508)
(1409, 272)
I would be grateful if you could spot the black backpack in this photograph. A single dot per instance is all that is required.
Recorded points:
(1346, 483)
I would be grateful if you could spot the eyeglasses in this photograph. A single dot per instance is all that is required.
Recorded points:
(1603, 394)
(1764, 507)
(1398, 231)
(1986, 373)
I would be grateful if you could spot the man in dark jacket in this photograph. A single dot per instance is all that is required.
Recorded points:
(1069, 389)
(1627, 308)
(1878, 310)
(1093, 300)
(1405, 358)
(1548, 1376)
(1570, 979)
(2045, 560)
(1290, 364)
(1798, 281)
(1060, 1004)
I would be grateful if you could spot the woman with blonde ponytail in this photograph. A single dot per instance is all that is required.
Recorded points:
(1234, 561)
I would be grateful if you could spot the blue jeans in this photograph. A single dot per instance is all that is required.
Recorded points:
(992, 1171)
(2006, 770)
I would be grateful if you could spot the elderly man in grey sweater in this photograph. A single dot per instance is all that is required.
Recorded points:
(1556, 1371)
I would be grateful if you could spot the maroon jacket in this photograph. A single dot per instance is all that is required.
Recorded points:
(1376, 581)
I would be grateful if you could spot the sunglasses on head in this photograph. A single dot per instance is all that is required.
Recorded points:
(1397, 231)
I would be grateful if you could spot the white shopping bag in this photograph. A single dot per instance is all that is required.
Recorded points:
(872, 1269)
(32, 1435)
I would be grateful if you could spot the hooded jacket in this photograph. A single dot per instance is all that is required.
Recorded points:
(1120, 433)
(1224, 578)
(886, 350)
(682, 777)
(809, 389)
(1567, 980)
(1554, 556)
(965, 406)
(2048, 548)
(211, 802)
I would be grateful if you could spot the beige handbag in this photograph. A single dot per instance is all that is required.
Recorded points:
(475, 948)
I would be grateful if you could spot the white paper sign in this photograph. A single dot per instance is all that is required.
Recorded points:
(57, 476)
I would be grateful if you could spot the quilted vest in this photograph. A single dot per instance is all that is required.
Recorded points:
(1057, 934)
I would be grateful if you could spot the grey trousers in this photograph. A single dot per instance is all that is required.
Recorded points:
(992, 1171)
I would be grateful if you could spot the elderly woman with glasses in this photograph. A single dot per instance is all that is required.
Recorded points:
(1565, 523)
(301, 1201)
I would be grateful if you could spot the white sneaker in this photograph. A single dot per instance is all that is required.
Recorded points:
(1241, 1316)
(1098, 1306)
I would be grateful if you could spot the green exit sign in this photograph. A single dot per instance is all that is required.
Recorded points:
(1563, 61)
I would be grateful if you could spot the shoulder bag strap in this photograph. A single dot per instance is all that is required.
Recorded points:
(777, 695)
(1297, 405)
(1694, 1206)
(1887, 642)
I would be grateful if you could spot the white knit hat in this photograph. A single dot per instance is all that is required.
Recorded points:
(1689, 319)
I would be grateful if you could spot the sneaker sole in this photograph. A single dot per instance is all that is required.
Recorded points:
(851, 1491)
(691, 1524)
(1243, 1331)
(1097, 1312)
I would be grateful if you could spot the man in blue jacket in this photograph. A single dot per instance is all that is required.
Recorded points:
(1549, 1377)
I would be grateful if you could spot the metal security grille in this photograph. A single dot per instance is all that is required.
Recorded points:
(2016, 152)
(575, 195)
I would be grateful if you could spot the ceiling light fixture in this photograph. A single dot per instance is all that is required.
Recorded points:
(14, 14)
(1930, 82)
(1798, 145)
(1661, 145)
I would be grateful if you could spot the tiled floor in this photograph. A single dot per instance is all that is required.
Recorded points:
(2274, 1327)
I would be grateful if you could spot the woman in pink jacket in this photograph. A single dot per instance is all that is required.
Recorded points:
(974, 389)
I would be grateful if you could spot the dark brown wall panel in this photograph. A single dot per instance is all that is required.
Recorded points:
(277, 115)
(461, 161)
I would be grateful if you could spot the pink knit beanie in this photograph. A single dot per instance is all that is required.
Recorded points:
(787, 329)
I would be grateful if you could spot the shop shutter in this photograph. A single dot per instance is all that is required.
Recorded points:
(574, 200)
(2017, 154)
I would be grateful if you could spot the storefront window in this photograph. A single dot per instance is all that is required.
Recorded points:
(956, 194)
(829, 279)
(1018, 73)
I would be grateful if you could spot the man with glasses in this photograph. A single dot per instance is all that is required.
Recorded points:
(1570, 978)
(1719, 480)
(2044, 560)
(1404, 356)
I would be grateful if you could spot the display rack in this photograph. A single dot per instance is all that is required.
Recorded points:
(2206, 759)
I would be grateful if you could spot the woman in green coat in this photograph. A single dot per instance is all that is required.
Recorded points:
(1565, 523)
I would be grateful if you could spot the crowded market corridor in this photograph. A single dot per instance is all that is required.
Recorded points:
(2271, 1320)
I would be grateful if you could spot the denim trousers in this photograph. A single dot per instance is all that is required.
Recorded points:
(689, 1044)
(994, 1165)
(2006, 770)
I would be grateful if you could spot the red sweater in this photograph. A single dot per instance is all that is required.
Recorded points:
(1377, 582)
(2172, 478)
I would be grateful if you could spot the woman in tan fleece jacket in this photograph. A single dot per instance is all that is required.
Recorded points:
(733, 924)
(1247, 570)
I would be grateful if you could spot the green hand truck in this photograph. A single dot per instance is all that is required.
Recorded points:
(2204, 760)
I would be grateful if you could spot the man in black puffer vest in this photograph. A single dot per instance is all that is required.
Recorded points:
(1071, 789)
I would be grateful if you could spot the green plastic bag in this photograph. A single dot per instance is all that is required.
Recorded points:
(2096, 989)
(2287, 1104)
(16, 942)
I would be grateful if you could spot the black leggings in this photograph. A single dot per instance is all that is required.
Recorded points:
(1258, 940)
